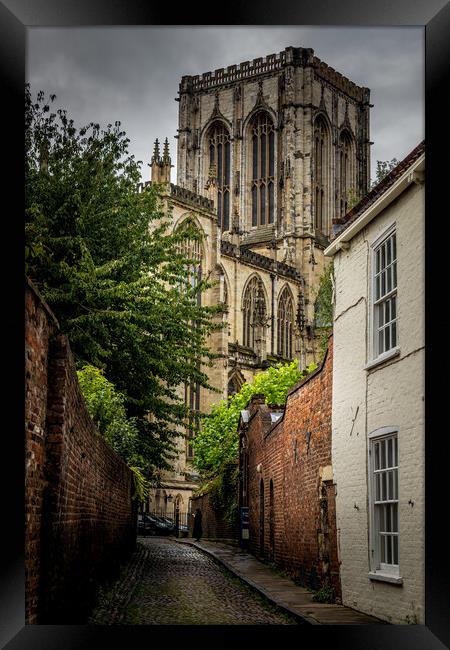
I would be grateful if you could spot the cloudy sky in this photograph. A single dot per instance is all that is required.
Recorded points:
(131, 74)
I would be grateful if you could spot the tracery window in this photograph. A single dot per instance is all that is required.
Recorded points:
(285, 324)
(219, 162)
(321, 160)
(253, 299)
(191, 249)
(262, 169)
(346, 181)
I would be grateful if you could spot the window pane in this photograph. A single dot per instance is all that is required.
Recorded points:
(394, 268)
(395, 550)
(219, 209)
(219, 164)
(389, 279)
(390, 494)
(382, 548)
(394, 246)
(254, 206)
(226, 220)
(271, 203)
(394, 334)
(393, 307)
(388, 550)
(255, 157)
(377, 488)
(387, 338)
(263, 205)
(227, 164)
(383, 283)
(388, 519)
(395, 484)
(377, 455)
(389, 452)
(380, 342)
(395, 517)
(395, 451)
(383, 487)
(388, 251)
(383, 256)
(382, 454)
(377, 287)
(271, 154)
(263, 172)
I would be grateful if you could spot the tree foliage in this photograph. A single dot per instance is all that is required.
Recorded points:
(105, 260)
(106, 406)
(383, 169)
(323, 307)
(216, 442)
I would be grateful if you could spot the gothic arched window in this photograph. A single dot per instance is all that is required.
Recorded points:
(346, 181)
(321, 164)
(285, 324)
(219, 166)
(262, 134)
(253, 301)
(191, 249)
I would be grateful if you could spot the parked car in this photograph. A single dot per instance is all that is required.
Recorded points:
(154, 525)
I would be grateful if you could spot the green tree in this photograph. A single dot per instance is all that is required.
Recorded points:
(105, 260)
(216, 442)
(323, 307)
(106, 406)
(383, 169)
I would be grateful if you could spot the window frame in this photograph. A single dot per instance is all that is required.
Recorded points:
(262, 185)
(379, 570)
(374, 355)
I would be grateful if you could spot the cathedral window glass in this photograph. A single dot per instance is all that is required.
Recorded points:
(252, 298)
(262, 169)
(219, 161)
(285, 324)
(191, 250)
(321, 157)
(346, 181)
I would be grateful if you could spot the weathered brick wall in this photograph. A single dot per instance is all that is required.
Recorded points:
(299, 528)
(80, 516)
(213, 523)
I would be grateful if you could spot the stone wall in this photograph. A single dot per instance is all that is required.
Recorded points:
(289, 463)
(80, 516)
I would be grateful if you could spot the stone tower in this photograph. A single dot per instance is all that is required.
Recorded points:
(270, 153)
(287, 139)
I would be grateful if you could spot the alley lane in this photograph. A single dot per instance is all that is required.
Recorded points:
(176, 584)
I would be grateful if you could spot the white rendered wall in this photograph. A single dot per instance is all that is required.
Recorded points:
(390, 394)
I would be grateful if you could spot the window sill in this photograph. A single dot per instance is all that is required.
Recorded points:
(382, 358)
(386, 577)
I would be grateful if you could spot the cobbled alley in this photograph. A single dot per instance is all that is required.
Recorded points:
(170, 583)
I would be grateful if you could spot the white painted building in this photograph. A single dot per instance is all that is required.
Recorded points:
(378, 443)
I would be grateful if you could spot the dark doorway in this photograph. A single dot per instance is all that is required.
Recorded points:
(271, 523)
(261, 518)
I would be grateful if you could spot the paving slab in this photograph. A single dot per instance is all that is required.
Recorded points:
(281, 591)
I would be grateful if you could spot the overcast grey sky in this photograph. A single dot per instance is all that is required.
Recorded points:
(132, 74)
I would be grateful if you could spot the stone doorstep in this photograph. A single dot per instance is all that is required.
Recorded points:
(280, 590)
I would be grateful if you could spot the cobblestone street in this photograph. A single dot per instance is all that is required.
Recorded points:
(167, 583)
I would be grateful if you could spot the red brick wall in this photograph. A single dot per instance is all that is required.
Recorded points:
(213, 523)
(80, 516)
(299, 532)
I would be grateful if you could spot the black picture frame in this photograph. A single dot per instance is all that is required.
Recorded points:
(15, 17)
